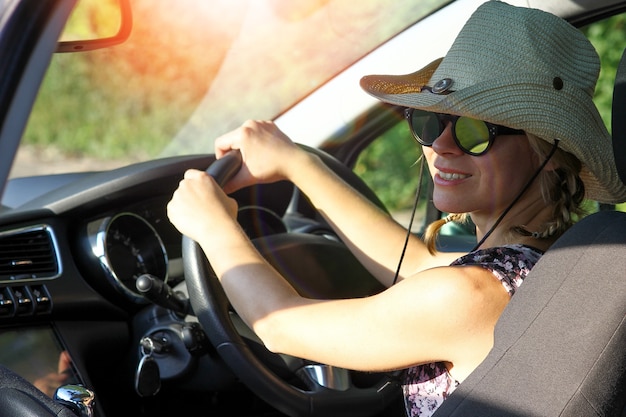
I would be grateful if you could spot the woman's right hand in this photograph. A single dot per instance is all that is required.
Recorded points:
(267, 153)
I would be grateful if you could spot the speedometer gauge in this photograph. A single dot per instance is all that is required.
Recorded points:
(127, 247)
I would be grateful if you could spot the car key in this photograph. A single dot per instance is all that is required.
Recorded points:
(148, 376)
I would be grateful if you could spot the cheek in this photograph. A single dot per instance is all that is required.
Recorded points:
(510, 170)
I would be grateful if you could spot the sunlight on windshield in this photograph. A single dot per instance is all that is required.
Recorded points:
(282, 52)
(193, 70)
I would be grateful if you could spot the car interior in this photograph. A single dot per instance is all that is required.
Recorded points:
(559, 345)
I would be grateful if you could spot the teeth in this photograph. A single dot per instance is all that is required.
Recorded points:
(452, 176)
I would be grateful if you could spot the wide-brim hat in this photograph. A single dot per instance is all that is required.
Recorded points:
(522, 68)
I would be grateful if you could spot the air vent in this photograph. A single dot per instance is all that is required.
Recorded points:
(28, 254)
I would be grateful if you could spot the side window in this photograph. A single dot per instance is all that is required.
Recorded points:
(390, 166)
(609, 38)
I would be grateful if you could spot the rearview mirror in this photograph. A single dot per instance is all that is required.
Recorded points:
(96, 24)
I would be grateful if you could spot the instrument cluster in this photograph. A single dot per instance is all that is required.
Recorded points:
(128, 246)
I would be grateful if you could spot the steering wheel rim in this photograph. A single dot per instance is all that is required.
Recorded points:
(211, 306)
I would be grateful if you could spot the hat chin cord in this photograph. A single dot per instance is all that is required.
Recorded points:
(410, 226)
(493, 227)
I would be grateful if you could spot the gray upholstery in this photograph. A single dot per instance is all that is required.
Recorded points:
(560, 347)
(19, 398)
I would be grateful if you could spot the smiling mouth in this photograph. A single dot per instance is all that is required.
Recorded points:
(450, 176)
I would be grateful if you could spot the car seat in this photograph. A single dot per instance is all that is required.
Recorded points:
(560, 344)
(19, 398)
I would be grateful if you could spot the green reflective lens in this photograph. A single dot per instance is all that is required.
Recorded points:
(472, 135)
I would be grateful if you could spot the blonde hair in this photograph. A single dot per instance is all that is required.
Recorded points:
(561, 188)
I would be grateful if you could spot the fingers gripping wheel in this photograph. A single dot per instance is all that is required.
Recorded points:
(211, 306)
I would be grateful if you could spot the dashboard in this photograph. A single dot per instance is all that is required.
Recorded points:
(89, 232)
(73, 247)
(106, 229)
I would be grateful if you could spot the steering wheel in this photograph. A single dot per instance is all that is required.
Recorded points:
(309, 398)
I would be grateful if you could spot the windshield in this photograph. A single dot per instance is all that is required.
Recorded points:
(193, 70)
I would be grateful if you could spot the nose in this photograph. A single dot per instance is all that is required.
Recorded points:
(445, 144)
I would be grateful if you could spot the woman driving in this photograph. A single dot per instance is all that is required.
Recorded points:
(512, 140)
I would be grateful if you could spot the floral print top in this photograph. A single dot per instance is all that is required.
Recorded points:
(425, 387)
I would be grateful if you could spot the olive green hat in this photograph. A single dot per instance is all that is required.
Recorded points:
(522, 68)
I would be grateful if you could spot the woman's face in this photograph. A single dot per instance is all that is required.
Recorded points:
(481, 185)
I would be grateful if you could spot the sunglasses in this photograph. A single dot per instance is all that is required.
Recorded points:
(472, 136)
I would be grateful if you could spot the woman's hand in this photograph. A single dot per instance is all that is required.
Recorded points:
(200, 209)
(267, 153)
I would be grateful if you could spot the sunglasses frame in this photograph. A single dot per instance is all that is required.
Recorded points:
(493, 129)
